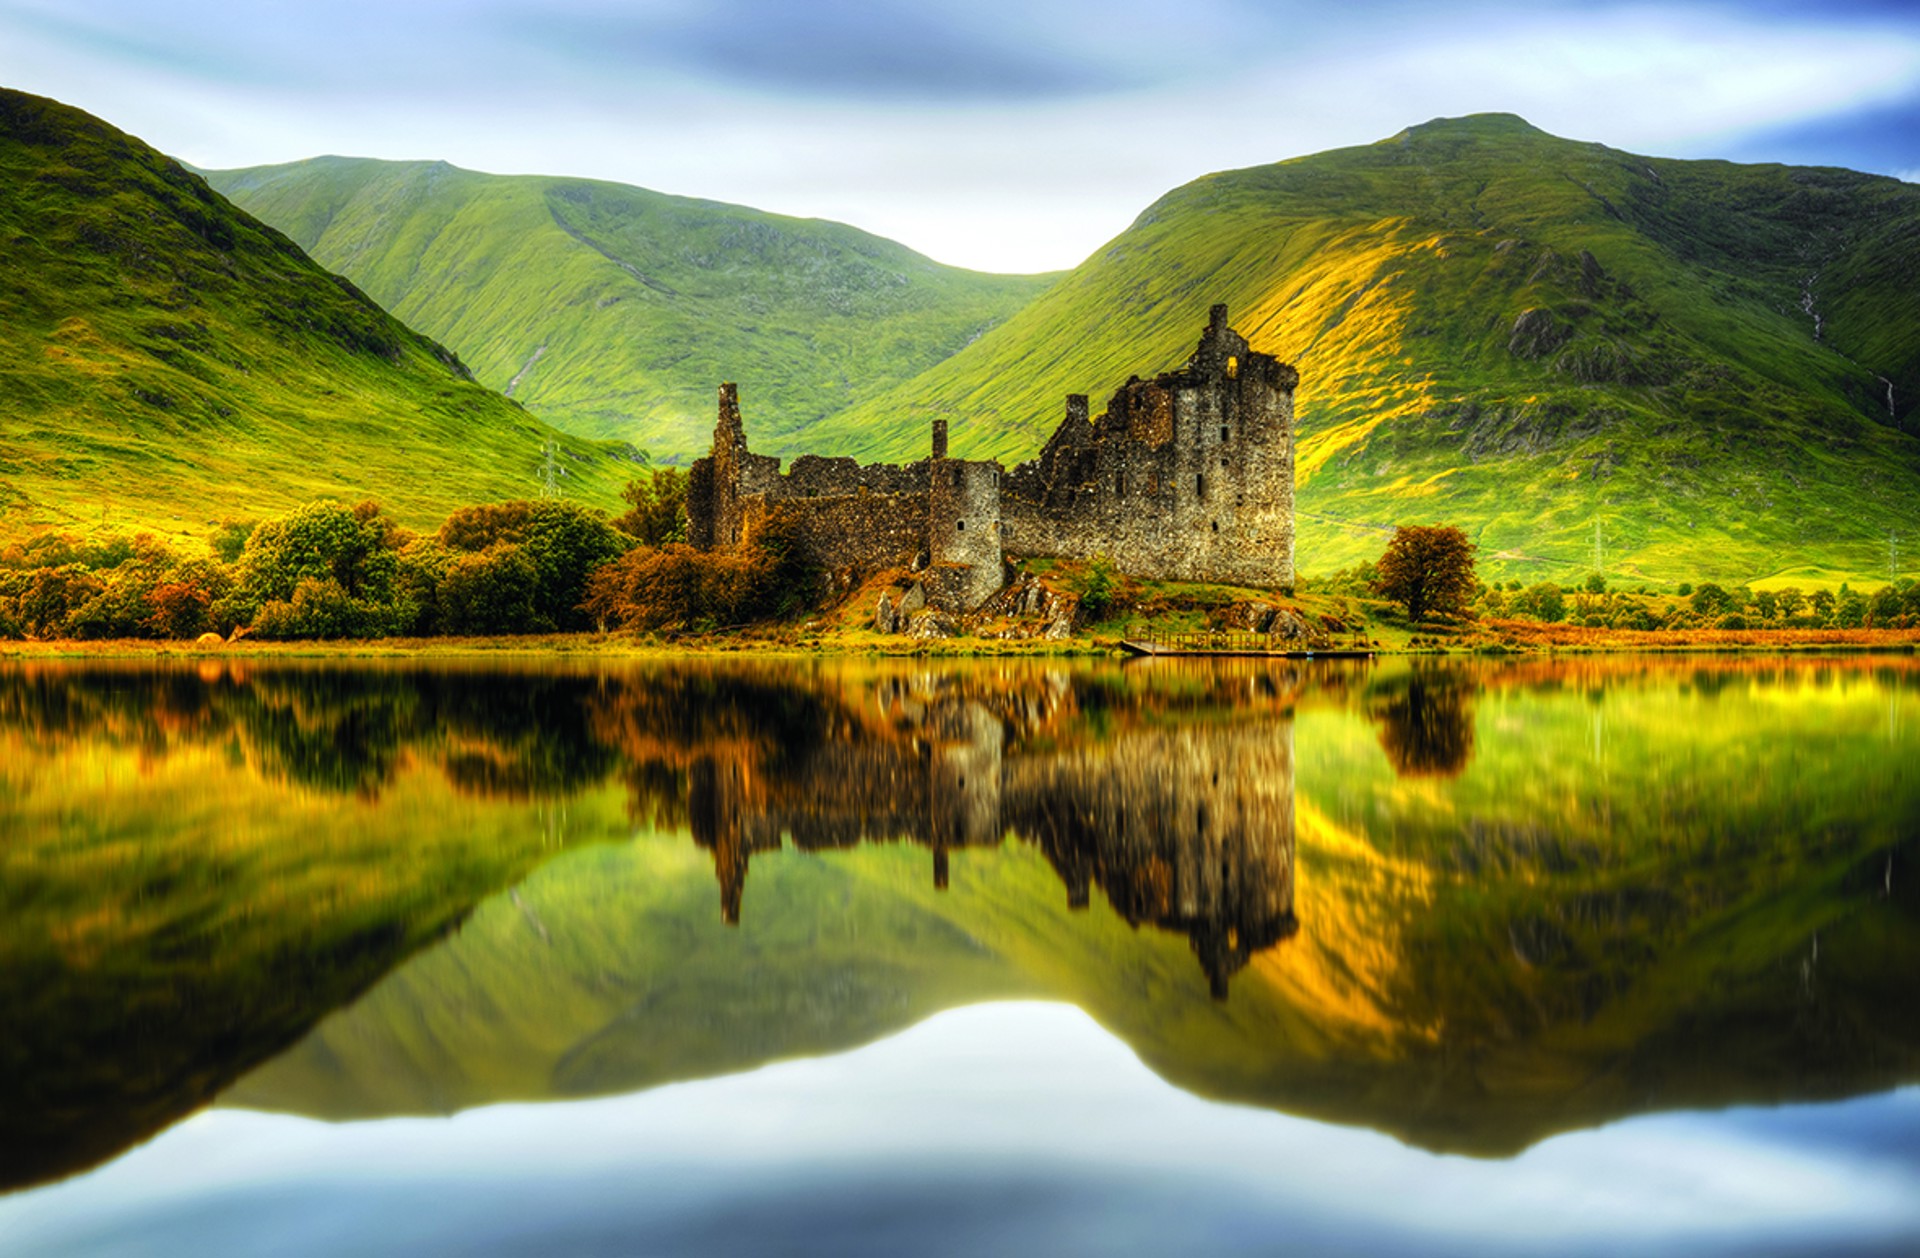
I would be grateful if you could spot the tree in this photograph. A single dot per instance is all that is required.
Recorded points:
(659, 507)
(1427, 569)
(564, 542)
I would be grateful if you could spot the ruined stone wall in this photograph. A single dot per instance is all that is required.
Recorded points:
(1188, 476)
(864, 531)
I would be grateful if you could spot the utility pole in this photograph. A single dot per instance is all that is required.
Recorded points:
(550, 471)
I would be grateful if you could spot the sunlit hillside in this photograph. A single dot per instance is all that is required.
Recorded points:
(1680, 369)
(168, 361)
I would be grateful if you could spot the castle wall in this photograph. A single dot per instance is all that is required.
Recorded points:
(866, 531)
(1188, 476)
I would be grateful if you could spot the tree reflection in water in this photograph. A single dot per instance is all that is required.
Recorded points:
(1426, 722)
(203, 861)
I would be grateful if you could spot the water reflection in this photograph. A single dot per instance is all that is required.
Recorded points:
(1469, 905)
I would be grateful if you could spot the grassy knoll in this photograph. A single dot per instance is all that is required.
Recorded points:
(1530, 337)
(614, 311)
(168, 361)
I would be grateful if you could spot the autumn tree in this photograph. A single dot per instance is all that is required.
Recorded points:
(1427, 569)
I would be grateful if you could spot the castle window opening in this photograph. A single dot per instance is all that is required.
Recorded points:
(959, 526)
(1223, 432)
(1233, 368)
(1200, 485)
(1216, 526)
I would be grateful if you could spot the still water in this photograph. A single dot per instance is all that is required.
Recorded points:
(1591, 956)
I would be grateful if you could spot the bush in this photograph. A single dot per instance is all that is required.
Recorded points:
(1543, 601)
(565, 543)
(320, 608)
(178, 609)
(1097, 589)
(675, 586)
(322, 541)
(1710, 600)
(494, 591)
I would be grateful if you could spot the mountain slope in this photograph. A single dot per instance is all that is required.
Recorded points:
(1714, 366)
(167, 360)
(614, 311)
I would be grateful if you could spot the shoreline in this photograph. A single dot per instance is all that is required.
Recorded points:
(609, 646)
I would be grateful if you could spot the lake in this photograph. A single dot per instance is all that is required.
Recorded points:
(1573, 955)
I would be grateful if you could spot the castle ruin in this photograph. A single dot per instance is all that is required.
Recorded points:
(1188, 476)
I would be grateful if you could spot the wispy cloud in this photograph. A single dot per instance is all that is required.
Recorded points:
(993, 133)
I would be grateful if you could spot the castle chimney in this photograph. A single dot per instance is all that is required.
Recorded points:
(939, 438)
(1217, 319)
(1076, 407)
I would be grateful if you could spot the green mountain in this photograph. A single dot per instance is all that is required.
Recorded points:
(166, 360)
(1713, 366)
(614, 311)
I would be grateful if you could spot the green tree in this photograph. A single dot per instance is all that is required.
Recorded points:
(1428, 570)
(353, 547)
(1542, 601)
(657, 503)
(1710, 600)
(564, 542)
(495, 591)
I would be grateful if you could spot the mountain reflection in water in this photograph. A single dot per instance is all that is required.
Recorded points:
(1470, 905)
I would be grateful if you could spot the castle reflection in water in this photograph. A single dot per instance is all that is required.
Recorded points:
(1188, 828)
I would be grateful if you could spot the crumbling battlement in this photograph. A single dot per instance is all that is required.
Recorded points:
(1188, 476)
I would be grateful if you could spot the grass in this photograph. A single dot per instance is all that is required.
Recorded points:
(613, 311)
(1678, 402)
(167, 361)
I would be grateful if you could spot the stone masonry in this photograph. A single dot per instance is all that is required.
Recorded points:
(1188, 476)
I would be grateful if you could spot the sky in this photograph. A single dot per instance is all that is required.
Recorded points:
(998, 1128)
(1009, 135)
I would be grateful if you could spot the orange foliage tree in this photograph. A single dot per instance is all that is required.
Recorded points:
(1428, 569)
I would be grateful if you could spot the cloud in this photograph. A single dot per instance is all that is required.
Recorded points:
(994, 133)
(836, 49)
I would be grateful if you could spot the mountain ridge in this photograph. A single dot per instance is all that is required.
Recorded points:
(613, 310)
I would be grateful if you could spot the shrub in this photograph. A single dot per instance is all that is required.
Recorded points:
(320, 608)
(322, 541)
(1542, 601)
(1709, 599)
(675, 586)
(178, 609)
(1098, 588)
(564, 542)
(495, 591)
